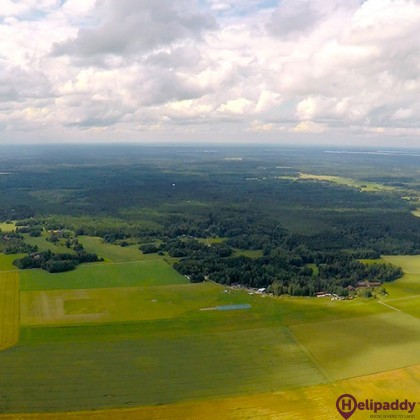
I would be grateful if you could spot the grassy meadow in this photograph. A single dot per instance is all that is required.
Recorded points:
(9, 309)
(103, 275)
(114, 253)
(130, 339)
(404, 295)
(44, 245)
(6, 261)
(7, 227)
(349, 182)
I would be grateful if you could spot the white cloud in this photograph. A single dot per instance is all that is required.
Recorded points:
(402, 114)
(136, 26)
(310, 127)
(194, 68)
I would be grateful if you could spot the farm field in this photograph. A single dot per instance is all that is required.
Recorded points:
(116, 332)
(114, 253)
(124, 274)
(404, 295)
(78, 375)
(9, 309)
(314, 402)
(377, 338)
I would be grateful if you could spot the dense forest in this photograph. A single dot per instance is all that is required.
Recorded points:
(203, 207)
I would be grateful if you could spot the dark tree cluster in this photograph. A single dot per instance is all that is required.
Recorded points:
(13, 243)
(283, 271)
(55, 263)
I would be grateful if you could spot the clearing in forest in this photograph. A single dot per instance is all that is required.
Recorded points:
(103, 275)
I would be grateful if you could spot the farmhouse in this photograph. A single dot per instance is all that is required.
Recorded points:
(368, 283)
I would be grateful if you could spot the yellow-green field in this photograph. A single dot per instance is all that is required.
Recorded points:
(134, 339)
(9, 309)
(312, 402)
(377, 338)
(120, 304)
(7, 227)
(362, 185)
(404, 295)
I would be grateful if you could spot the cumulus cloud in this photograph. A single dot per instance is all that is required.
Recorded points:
(276, 69)
(137, 26)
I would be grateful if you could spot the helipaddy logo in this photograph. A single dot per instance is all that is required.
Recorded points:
(347, 404)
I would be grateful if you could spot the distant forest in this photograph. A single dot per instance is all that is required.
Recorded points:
(205, 209)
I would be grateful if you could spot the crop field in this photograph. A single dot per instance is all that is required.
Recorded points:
(378, 339)
(9, 309)
(78, 375)
(136, 340)
(103, 275)
(314, 402)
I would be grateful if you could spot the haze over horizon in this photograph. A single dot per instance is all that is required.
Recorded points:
(339, 73)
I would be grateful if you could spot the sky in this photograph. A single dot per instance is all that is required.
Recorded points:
(337, 72)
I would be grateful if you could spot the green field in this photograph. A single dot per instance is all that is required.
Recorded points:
(135, 333)
(404, 294)
(9, 309)
(378, 338)
(355, 347)
(44, 245)
(6, 261)
(118, 304)
(102, 275)
(409, 285)
(251, 253)
(84, 375)
(349, 182)
(114, 253)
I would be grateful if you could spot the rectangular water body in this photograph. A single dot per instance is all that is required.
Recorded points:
(233, 307)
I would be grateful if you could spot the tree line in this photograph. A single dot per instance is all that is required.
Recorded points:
(55, 263)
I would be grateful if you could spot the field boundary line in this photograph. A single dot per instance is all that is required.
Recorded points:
(392, 307)
(126, 262)
(378, 373)
(403, 298)
(310, 356)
